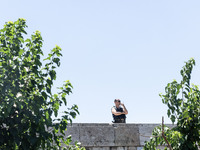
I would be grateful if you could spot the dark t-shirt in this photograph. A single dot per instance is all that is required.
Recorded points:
(120, 109)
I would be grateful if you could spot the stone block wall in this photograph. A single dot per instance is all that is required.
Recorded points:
(100, 136)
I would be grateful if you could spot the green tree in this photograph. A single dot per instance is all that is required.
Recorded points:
(183, 101)
(27, 103)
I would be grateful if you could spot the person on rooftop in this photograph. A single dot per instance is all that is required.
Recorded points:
(119, 112)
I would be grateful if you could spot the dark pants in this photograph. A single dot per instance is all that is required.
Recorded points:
(122, 120)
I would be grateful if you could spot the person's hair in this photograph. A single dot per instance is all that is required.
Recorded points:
(117, 100)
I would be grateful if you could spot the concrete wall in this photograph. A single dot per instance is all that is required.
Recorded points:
(111, 136)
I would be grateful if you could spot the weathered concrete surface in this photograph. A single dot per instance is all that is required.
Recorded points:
(89, 136)
(103, 136)
(74, 131)
(145, 130)
(126, 135)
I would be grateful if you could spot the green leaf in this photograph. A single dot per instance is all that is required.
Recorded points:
(44, 95)
(168, 113)
(52, 74)
(73, 114)
(173, 118)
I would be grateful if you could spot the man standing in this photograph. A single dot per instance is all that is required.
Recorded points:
(119, 112)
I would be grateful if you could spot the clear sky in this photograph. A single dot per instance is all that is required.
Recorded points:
(126, 49)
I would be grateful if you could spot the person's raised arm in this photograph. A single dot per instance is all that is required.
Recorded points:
(124, 108)
(116, 113)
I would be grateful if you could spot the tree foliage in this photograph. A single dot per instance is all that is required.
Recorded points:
(27, 103)
(157, 139)
(183, 101)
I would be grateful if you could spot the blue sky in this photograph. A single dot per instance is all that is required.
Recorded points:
(126, 49)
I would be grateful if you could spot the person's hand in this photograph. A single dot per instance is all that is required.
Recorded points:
(122, 104)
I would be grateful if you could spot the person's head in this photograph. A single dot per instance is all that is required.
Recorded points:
(117, 102)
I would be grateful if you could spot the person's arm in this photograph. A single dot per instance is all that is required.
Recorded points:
(124, 108)
(117, 113)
